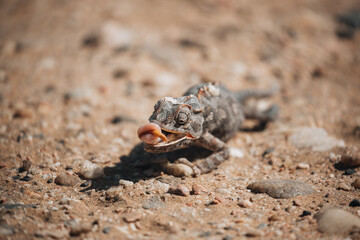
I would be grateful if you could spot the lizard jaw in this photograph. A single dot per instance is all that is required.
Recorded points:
(158, 139)
(174, 141)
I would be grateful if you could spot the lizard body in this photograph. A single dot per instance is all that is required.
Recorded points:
(207, 115)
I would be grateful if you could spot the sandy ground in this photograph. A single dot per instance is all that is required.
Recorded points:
(77, 78)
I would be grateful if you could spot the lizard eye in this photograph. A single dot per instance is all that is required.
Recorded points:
(182, 116)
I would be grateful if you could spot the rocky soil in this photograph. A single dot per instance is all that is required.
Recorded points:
(77, 78)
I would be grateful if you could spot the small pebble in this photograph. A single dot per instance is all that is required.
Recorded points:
(26, 178)
(223, 191)
(227, 237)
(6, 230)
(125, 183)
(277, 208)
(26, 164)
(254, 233)
(349, 171)
(236, 212)
(153, 203)
(114, 194)
(53, 234)
(23, 113)
(132, 217)
(16, 177)
(180, 190)
(333, 157)
(245, 204)
(218, 200)
(356, 183)
(50, 180)
(86, 184)
(274, 218)
(303, 166)
(65, 201)
(262, 225)
(91, 40)
(161, 187)
(78, 228)
(305, 213)
(197, 189)
(296, 203)
(106, 230)
(91, 170)
(267, 151)
(119, 119)
(349, 159)
(65, 179)
(345, 187)
(236, 153)
(355, 203)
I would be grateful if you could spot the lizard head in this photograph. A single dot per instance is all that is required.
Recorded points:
(180, 119)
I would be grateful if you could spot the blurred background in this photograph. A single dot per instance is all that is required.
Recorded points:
(142, 50)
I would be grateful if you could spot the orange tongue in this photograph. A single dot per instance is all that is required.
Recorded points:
(151, 133)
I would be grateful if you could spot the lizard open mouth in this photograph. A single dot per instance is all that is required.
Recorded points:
(152, 134)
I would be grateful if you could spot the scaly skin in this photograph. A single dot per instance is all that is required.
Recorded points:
(207, 115)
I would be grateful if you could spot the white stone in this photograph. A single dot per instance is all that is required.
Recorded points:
(91, 170)
(125, 183)
(245, 204)
(236, 153)
(161, 187)
(303, 166)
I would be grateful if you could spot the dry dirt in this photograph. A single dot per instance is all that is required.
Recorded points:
(77, 78)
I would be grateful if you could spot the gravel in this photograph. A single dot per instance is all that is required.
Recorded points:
(6, 230)
(153, 203)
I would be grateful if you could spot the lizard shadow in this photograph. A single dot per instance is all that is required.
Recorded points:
(141, 165)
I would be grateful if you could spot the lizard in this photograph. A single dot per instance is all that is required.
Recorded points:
(207, 115)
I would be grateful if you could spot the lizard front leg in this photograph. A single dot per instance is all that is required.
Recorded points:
(220, 149)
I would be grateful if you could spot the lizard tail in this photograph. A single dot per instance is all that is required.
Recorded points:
(243, 95)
